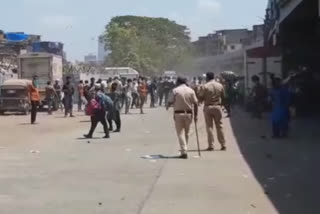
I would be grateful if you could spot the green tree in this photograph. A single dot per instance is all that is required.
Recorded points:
(149, 45)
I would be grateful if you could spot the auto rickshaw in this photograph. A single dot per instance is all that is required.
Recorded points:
(14, 96)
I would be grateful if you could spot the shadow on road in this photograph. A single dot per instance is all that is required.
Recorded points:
(287, 169)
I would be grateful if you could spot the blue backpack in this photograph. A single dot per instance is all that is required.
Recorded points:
(105, 101)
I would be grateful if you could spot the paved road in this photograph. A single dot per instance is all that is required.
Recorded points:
(67, 174)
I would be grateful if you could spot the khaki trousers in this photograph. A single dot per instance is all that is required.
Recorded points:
(183, 123)
(214, 114)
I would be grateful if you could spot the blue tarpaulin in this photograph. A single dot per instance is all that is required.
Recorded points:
(16, 37)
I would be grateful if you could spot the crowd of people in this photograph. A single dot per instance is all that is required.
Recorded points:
(98, 96)
(103, 101)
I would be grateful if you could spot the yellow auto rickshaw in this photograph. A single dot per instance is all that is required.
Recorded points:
(14, 96)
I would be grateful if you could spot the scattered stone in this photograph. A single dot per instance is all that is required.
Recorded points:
(153, 157)
(34, 151)
(147, 157)
(89, 142)
(100, 203)
(254, 206)
(123, 198)
(245, 176)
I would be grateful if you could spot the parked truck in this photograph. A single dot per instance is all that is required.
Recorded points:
(48, 67)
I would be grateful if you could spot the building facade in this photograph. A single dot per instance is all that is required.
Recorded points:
(102, 51)
(292, 26)
(228, 41)
(91, 58)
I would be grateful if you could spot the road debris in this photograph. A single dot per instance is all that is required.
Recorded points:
(34, 151)
(152, 157)
(253, 206)
(245, 176)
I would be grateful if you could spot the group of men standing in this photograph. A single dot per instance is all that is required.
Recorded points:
(185, 102)
(53, 94)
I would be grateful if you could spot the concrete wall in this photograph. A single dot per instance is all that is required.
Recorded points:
(233, 47)
(234, 36)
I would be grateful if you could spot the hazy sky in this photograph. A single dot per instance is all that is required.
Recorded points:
(77, 23)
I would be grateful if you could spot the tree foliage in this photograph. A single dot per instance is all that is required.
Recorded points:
(149, 45)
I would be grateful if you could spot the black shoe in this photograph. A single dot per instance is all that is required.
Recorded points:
(210, 149)
(183, 156)
(117, 130)
(223, 148)
(87, 136)
(106, 137)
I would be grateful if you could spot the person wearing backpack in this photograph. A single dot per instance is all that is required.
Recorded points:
(96, 109)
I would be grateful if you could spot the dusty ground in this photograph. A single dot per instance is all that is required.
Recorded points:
(67, 174)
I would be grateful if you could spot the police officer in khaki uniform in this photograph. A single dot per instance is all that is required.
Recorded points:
(212, 94)
(185, 106)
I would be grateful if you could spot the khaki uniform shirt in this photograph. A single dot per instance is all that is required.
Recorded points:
(211, 93)
(183, 98)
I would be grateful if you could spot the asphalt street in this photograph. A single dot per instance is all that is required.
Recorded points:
(49, 168)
